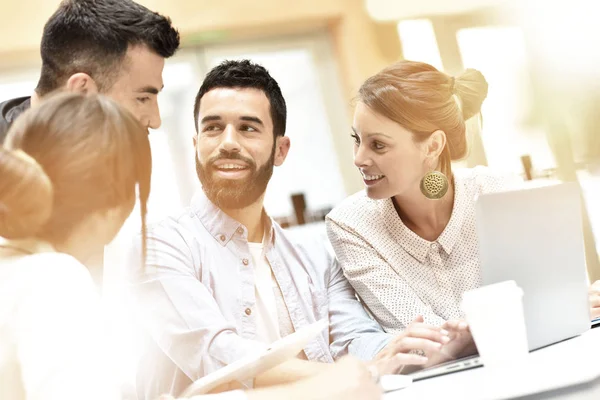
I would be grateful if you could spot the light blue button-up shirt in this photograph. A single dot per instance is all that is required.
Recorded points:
(196, 295)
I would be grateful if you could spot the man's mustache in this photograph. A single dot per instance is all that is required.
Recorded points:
(224, 155)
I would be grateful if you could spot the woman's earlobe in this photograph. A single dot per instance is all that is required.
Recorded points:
(437, 142)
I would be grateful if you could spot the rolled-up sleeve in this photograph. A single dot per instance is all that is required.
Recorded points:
(179, 311)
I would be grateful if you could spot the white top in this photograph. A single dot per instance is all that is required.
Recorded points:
(267, 324)
(50, 333)
(52, 343)
(398, 274)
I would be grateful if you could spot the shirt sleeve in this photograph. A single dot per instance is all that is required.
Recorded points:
(178, 310)
(351, 329)
(376, 282)
(59, 332)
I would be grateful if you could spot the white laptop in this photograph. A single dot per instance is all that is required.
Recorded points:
(534, 237)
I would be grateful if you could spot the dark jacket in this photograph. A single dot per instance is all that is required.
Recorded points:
(9, 111)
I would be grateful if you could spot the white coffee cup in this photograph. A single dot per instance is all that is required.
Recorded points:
(497, 322)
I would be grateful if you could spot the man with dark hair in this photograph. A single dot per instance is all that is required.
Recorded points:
(241, 193)
(222, 279)
(115, 47)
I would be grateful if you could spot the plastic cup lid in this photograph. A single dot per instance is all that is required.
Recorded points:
(494, 292)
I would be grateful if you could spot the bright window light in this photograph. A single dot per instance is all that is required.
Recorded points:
(500, 54)
(418, 42)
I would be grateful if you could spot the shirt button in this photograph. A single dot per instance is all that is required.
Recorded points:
(222, 238)
(434, 246)
(245, 261)
(248, 311)
(240, 230)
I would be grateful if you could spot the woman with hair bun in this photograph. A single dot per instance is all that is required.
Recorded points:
(408, 243)
(26, 195)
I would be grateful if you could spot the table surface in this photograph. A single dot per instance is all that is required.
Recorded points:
(569, 369)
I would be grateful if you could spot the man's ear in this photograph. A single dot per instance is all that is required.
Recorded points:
(81, 83)
(282, 147)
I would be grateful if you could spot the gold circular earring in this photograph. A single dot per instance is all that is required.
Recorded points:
(434, 185)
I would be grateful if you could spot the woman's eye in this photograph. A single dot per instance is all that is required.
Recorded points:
(378, 146)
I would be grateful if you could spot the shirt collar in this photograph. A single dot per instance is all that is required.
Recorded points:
(25, 246)
(412, 243)
(221, 226)
(22, 104)
(415, 245)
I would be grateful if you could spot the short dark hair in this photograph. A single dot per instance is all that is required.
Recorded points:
(92, 36)
(246, 74)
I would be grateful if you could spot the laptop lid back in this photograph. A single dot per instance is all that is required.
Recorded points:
(535, 237)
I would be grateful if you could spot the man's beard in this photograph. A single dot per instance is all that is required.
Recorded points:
(234, 193)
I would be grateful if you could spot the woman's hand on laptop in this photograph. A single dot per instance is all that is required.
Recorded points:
(461, 343)
(413, 346)
(456, 325)
(594, 293)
